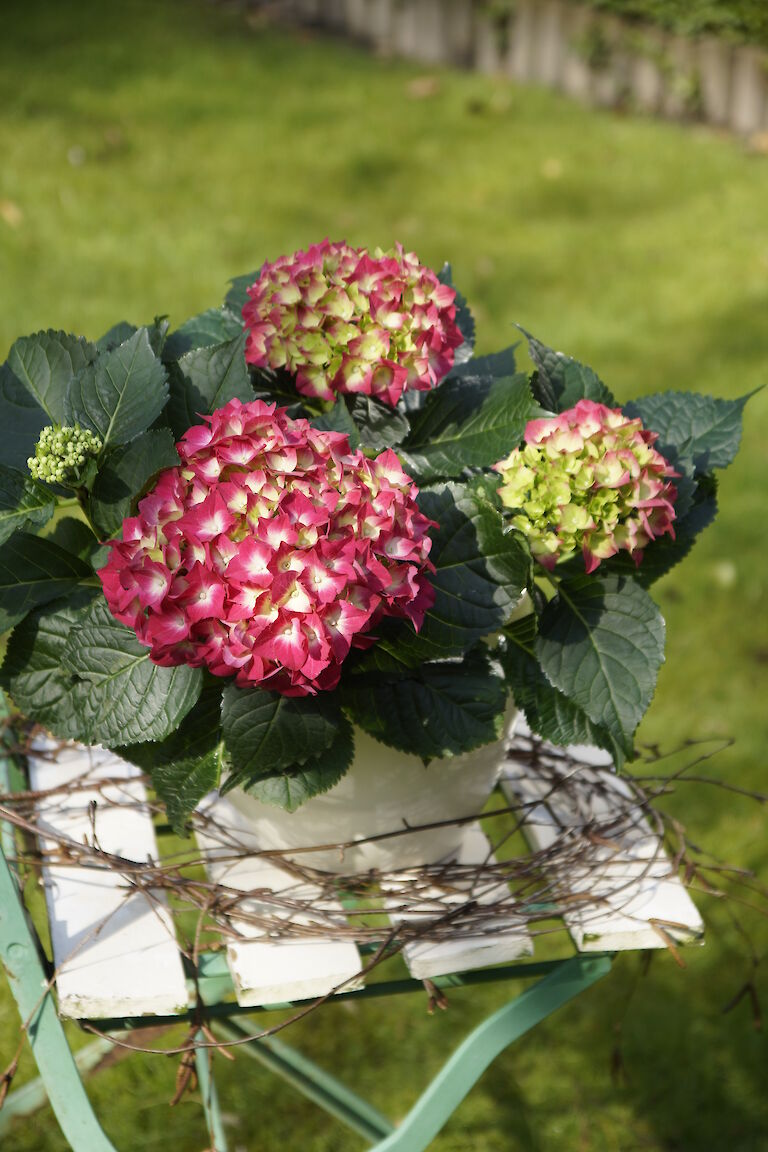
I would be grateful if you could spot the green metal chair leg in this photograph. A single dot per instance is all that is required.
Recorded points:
(470, 1060)
(210, 1098)
(314, 1082)
(450, 1086)
(20, 958)
(33, 1095)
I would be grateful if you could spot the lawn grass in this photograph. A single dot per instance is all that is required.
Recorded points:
(151, 151)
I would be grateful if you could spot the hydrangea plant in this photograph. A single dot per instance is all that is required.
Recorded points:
(226, 546)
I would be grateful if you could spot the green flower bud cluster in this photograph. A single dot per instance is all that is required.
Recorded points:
(61, 453)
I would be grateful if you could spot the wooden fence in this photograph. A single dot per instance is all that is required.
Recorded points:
(591, 56)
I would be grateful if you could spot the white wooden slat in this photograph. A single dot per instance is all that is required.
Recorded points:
(114, 950)
(268, 971)
(632, 880)
(427, 958)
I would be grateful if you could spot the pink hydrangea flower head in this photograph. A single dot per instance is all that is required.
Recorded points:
(270, 552)
(341, 319)
(588, 480)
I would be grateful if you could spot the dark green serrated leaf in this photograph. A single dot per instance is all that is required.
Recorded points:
(686, 487)
(187, 764)
(88, 474)
(379, 426)
(215, 326)
(238, 292)
(471, 422)
(601, 642)
(125, 475)
(481, 574)
(279, 387)
(116, 336)
(494, 364)
(291, 789)
(549, 713)
(197, 735)
(75, 536)
(702, 427)
(24, 502)
(441, 710)
(33, 672)
(46, 363)
(157, 334)
(206, 379)
(121, 393)
(464, 319)
(32, 572)
(23, 420)
(266, 733)
(562, 381)
(183, 784)
(338, 420)
(129, 699)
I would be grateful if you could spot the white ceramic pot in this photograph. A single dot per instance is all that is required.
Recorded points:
(384, 791)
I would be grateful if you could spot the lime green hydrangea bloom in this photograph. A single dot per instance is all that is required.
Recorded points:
(61, 453)
(589, 481)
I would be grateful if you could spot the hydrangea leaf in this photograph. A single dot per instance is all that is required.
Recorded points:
(442, 709)
(291, 789)
(34, 673)
(549, 713)
(157, 334)
(116, 336)
(379, 426)
(32, 572)
(338, 419)
(465, 321)
(23, 420)
(472, 422)
(206, 379)
(129, 699)
(267, 733)
(238, 290)
(121, 393)
(24, 502)
(216, 326)
(182, 784)
(494, 364)
(562, 381)
(75, 536)
(198, 733)
(688, 423)
(125, 475)
(276, 386)
(481, 574)
(601, 643)
(46, 363)
(187, 764)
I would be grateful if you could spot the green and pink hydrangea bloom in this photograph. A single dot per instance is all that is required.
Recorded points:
(588, 480)
(344, 320)
(270, 553)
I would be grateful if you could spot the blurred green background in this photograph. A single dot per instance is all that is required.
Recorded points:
(148, 152)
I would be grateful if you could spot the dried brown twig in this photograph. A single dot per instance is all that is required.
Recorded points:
(586, 868)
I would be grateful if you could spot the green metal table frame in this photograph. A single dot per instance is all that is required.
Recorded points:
(61, 1071)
